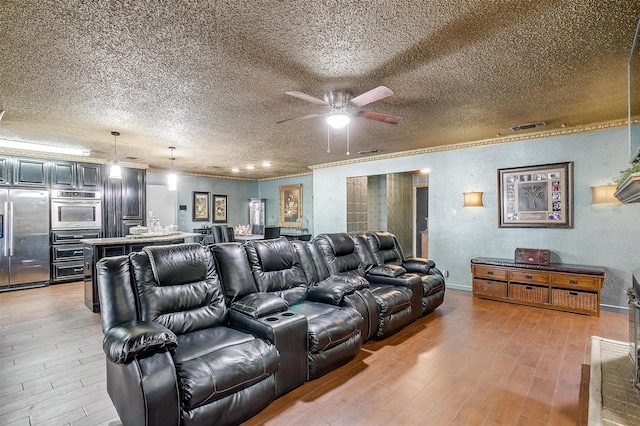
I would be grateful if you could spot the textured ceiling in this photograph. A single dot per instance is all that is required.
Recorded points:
(209, 77)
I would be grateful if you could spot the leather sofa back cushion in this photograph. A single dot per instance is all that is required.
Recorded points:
(275, 268)
(234, 269)
(179, 264)
(339, 253)
(183, 307)
(384, 247)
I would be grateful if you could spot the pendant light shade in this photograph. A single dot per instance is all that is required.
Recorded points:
(116, 172)
(172, 180)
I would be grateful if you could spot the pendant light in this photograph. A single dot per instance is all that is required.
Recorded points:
(116, 173)
(173, 179)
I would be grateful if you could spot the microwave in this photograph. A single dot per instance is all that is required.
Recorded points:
(76, 210)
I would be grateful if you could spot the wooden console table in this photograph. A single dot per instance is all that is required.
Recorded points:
(560, 286)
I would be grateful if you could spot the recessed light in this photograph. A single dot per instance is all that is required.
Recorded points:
(251, 167)
(235, 170)
(266, 164)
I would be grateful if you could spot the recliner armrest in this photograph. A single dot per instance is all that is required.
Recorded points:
(123, 343)
(387, 270)
(331, 290)
(258, 305)
(418, 265)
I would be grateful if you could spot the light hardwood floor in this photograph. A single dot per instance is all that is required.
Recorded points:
(472, 362)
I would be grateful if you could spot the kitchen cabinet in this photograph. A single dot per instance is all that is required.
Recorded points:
(5, 171)
(30, 172)
(67, 257)
(71, 175)
(124, 202)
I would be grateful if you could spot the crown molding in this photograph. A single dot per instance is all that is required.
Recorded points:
(486, 142)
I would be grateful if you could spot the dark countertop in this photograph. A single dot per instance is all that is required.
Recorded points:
(559, 267)
(139, 239)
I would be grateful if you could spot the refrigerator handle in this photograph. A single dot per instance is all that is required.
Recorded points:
(5, 225)
(1, 226)
(8, 241)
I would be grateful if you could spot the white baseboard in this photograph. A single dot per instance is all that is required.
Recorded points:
(458, 287)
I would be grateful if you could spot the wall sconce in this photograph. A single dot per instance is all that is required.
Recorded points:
(603, 194)
(473, 199)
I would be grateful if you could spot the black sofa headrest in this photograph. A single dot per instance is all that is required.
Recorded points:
(180, 263)
(385, 240)
(341, 243)
(274, 255)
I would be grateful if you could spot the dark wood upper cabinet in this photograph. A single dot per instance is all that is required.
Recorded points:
(133, 191)
(70, 175)
(124, 202)
(89, 176)
(30, 172)
(5, 171)
(63, 175)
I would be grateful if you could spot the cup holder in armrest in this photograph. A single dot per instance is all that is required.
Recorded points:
(279, 316)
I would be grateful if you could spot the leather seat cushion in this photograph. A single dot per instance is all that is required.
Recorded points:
(328, 325)
(391, 299)
(216, 362)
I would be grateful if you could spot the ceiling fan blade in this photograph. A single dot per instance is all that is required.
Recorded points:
(304, 117)
(372, 95)
(384, 118)
(307, 98)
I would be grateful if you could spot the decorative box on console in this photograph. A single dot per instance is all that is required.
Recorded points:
(532, 256)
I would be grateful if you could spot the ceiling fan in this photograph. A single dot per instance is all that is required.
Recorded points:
(342, 104)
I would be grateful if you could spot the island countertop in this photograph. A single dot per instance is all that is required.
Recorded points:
(139, 239)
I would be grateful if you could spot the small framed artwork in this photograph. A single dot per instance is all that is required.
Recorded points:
(220, 208)
(536, 196)
(290, 204)
(201, 206)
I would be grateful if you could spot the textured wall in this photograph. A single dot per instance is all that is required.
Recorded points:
(357, 208)
(399, 209)
(602, 235)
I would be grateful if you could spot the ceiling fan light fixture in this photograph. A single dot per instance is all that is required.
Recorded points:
(338, 120)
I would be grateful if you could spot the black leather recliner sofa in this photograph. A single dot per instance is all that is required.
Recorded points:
(202, 335)
(172, 355)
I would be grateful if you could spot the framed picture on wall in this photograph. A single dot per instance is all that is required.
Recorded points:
(220, 208)
(201, 206)
(536, 196)
(290, 204)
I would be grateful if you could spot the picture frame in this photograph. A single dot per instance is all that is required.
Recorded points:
(219, 208)
(290, 204)
(536, 196)
(201, 206)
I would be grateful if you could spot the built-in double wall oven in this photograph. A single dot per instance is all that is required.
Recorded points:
(75, 215)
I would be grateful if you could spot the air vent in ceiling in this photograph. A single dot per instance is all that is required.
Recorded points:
(371, 151)
(527, 126)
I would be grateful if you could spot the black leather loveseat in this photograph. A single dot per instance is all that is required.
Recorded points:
(212, 334)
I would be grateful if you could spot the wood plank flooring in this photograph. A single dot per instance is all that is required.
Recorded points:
(472, 362)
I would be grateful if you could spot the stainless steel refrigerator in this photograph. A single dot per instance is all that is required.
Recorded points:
(24, 238)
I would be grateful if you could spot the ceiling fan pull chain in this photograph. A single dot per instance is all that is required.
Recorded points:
(348, 140)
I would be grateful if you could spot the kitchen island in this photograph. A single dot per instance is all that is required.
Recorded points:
(97, 248)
